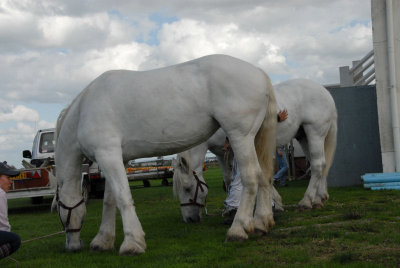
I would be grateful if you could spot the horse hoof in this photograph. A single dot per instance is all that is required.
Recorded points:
(99, 248)
(259, 232)
(317, 205)
(236, 235)
(131, 251)
(102, 242)
(132, 248)
(301, 208)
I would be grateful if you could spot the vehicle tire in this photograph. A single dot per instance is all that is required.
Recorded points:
(99, 194)
(164, 182)
(37, 200)
(146, 183)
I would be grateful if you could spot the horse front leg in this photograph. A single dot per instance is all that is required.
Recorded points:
(105, 238)
(112, 165)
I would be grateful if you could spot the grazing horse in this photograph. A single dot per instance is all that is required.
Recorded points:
(188, 181)
(124, 115)
(312, 121)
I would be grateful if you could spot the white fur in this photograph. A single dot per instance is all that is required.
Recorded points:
(309, 106)
(124, 115)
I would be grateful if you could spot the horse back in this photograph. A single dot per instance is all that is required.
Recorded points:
(169, 109)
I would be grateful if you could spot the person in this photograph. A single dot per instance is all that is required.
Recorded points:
(9, 242)
(232, 200)
(283, 166)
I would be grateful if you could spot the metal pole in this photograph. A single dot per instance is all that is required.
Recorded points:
(392, 83)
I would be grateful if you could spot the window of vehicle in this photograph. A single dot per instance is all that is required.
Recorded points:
(47, 143)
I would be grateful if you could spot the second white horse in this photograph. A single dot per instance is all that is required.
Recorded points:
(312, 121)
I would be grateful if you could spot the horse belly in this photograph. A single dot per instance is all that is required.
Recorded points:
(165, 139)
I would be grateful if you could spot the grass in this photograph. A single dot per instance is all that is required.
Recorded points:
(356, 228)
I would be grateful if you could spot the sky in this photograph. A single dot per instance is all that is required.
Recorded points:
(50, 50)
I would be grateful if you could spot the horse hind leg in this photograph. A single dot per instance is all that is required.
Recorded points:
(250, 173)
(105, 238)
(316, 192)
(112, 165)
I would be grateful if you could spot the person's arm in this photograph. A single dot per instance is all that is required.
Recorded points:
(4, 224)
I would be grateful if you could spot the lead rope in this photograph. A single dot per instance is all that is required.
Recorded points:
(13, 260)
(31, 240)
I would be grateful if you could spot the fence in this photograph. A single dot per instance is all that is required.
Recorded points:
(361, 73)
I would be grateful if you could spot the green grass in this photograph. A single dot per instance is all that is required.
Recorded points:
(356, 228)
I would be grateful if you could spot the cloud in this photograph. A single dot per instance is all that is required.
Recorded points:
(51, 49)
(18, 113)
(188, 39)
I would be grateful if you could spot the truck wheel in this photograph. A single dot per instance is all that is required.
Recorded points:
(164, 182)
(146, 183)
(85, 191)
(37, 200)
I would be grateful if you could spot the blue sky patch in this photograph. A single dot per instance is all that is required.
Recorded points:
(159, 19)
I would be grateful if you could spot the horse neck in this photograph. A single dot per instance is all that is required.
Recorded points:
(197, 156)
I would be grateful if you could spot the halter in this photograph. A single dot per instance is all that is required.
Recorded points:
(61, 204)
(193, 202)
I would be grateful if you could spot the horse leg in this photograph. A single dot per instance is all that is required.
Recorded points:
(105, 238)
(250, 173)
(263, 215)
(110, 162)
(316, 191)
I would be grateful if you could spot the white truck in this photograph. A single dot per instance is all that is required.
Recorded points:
(37, 179)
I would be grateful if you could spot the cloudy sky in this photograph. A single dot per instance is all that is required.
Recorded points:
(51, 49)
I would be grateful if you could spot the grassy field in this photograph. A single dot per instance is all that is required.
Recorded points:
(357, 228)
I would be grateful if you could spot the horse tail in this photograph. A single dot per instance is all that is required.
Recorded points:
(330, 146)
(265, 141)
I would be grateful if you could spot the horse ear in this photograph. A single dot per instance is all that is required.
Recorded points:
(184, 164)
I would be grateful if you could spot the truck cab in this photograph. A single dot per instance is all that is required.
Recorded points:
(43, 147)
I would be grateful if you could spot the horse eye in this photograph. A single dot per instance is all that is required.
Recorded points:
(187, 190)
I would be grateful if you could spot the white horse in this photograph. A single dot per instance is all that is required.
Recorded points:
(124, 115)
(312, 121)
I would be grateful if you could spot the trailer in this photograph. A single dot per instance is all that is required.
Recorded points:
(153, 172)
(34, 183)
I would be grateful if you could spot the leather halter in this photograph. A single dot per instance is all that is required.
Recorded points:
(193, 202)
(61, 204)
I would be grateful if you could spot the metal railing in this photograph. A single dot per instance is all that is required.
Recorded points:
(361, 73)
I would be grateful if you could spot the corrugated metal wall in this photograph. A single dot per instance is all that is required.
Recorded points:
(358, 146)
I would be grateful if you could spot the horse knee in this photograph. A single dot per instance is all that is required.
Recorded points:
(318, 166)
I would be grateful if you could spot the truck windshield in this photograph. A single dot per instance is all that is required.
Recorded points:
(47, 143)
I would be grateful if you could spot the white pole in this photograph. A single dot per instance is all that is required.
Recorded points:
(392, 83)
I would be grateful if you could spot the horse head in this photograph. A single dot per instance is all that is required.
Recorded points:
(71, 211)
(190, 188)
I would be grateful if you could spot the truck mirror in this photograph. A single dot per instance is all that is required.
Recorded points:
(26, 154)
